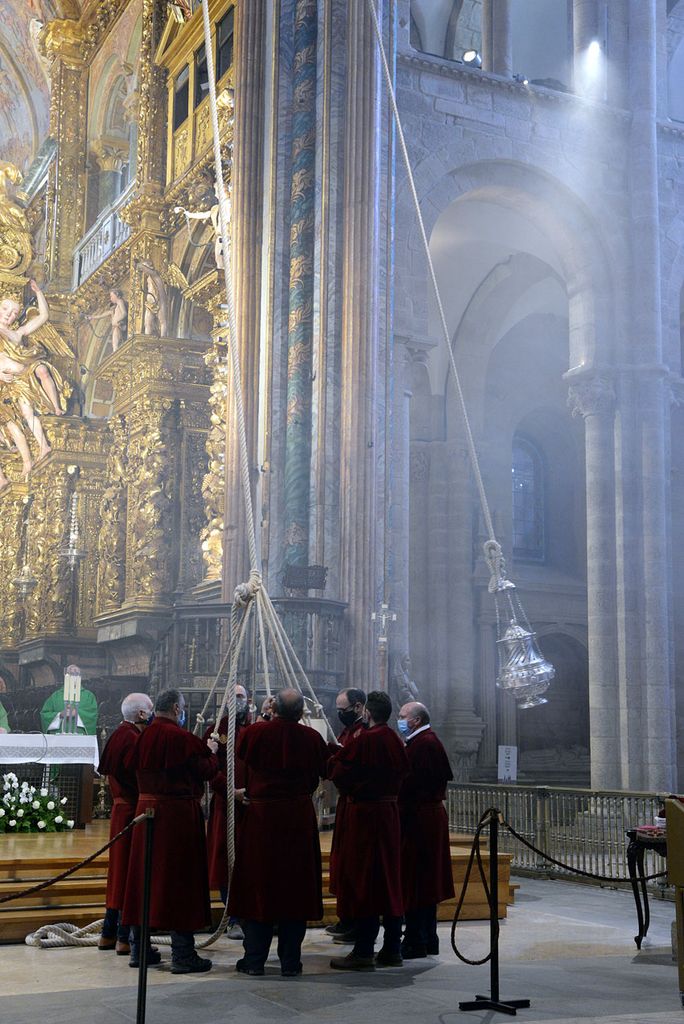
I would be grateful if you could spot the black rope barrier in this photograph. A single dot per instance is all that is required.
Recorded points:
(76, 867)
(492, 818)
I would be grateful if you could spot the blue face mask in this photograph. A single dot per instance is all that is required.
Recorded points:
(182, 717)
(403, 727)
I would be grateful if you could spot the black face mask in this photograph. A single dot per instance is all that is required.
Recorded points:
(347, 716)
(241, 716)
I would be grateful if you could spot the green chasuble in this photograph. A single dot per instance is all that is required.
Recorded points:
(4, 723)
(87, 712)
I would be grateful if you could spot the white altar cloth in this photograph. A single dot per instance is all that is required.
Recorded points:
(37, 748)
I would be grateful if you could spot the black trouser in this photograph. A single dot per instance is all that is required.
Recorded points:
(112, 927)
(367, 929)
(257, 943)
(421, 927)
(182, 947)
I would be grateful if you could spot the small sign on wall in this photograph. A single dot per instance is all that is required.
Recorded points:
(507, 764)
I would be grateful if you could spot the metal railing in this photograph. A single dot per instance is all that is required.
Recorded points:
(582, 828)
(103, 238)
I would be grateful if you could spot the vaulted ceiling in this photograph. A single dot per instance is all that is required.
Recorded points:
(24, 92)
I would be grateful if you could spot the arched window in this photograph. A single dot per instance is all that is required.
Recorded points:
(528, 501)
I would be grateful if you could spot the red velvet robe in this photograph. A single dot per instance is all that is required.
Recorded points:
(217, 842)
(124, 790)
(349, 733)
(370, 770)
(277, 873)
(171, 766)
(425, 855)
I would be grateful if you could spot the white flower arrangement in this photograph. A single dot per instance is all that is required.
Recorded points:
(24, 808)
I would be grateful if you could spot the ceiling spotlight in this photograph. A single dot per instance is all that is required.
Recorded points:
(472, 58)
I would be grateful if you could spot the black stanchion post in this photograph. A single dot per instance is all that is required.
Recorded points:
(145, 925)
(493, 1001)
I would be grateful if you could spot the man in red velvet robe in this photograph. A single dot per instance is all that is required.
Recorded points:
(217, 845)
(369, 771)
(136, 710)
(171, 767)
(277, 876)
(349, 704)
(425, 853)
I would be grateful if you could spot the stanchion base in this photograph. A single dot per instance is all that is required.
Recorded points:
(509, 1006)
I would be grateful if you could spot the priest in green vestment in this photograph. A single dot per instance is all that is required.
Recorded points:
(4, 721)
(52, 713)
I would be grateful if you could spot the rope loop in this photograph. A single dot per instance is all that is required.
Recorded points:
(496, 563)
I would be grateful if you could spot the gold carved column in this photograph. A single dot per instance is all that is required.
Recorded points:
(64, 45)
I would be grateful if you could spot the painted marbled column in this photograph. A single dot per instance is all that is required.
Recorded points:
(300, 321)
(359, 340)
(246, 226)
(497, 52)
(594, 400)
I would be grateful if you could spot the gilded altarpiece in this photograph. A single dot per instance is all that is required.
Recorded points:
(153, 508)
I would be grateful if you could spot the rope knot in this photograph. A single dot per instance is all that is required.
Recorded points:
(246, 592)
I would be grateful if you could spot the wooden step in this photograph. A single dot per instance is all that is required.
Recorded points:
(80, 899)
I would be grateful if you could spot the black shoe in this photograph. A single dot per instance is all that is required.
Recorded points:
(353, 962)
(347, 938)
(386, 959)
(254, 972)
(432, 948)
(337, 929)
(413, 952)
(153, 957)
(194, 965)
(293, 972)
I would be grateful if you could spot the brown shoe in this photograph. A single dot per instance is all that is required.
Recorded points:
(123, 948)
(105, 944)
(352, 962)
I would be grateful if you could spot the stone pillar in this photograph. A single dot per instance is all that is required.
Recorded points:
(589, 69)
(398, 498)
(246, 248)
(488, 669)
(359, 339)
(64, 44)
(595, 401)
(497, 51)
(110, 156)
(462, 728)
(655, 724)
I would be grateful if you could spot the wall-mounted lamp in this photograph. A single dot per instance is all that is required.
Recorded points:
(472, 58)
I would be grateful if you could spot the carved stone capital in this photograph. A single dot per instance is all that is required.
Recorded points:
(594, 397)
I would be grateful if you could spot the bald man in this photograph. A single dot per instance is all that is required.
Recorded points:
(277, 877)
(425, 854)
(136, 710)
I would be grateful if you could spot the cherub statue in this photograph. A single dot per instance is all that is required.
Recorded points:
(156, 302)
(212, 215)
(34, 385)
(119, 317)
